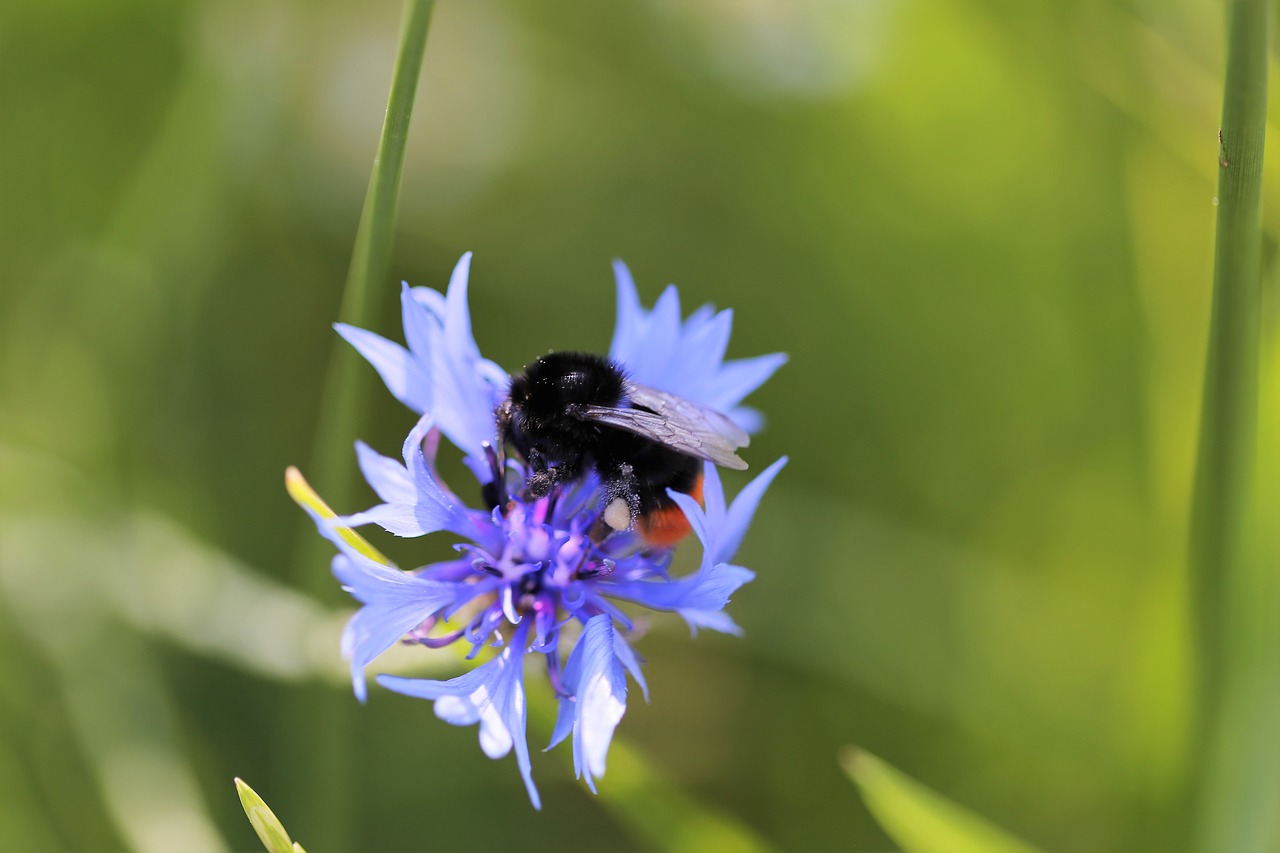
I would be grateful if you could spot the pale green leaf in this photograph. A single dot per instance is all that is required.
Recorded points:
(305, 496)
(919, 819)
(270, 831)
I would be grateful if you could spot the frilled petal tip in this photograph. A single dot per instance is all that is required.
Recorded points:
(704, 606)
(387, 477)
(704, 592)
(597, 685)
(739, 377)
(686, 356)
(405, 378)
(394, 604)
(630, 661)
(721, 529)
(441, 372)
(467, 387)
(416, 505)
(492, 695)
(715, 620)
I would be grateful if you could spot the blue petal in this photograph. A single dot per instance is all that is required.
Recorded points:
(720, 529)
(716, 620)
(457, 316)
(739, 377)
(659, 362)
(685, 357)
(738, 518)
(432, 300)
(715, 595)
(749, 419)
(703, 316)
(422, 327)
(566, 713)
(405, 378)
(602, 698)
(491, 695)
(466, 387)
(420, 506)
(564, 719)
(595, 677)
(629, 660)
(387, 477)
(442, 371)
(708, 338)
(698, 519)
(712, 492)
(630, 315)
(708, 588)
(394, 604)
(396, 519)
(436, 509)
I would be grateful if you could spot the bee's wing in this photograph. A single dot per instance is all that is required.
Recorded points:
(678, 423)
(697, 417)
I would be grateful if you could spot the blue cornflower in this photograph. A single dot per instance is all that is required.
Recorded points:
(530, 577)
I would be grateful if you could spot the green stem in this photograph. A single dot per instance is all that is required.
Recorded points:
(346, 386)
(313, 729)
(1220, 580)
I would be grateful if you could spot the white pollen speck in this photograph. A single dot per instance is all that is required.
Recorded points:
(617, 514)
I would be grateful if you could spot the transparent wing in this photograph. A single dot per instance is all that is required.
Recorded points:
(697, 417)
(678, 423)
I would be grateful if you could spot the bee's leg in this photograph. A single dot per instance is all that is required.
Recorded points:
(503, 420)
(541, 478)
(567, 470)
(563, 472)
(623, 500)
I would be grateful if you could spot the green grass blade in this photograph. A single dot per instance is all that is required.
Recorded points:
(271, 831)
(919, 819)
(347, 382)
(312, 731)
(1231, 375)
(1221, 583)
(371, 256)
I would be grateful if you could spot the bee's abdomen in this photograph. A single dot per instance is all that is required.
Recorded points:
(667, 525)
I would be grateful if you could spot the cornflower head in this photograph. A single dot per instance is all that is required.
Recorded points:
(534, 575)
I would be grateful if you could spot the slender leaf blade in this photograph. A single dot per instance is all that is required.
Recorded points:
(367, 286)
(305, 496)
(264, 821)
(1235, 664)
(919, 819)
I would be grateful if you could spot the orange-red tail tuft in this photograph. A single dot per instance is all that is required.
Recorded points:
(667, 526)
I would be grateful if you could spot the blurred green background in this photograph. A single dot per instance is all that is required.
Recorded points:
(982, 229)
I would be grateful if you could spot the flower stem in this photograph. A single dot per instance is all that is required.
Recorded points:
(1220, 579)
(312, 729)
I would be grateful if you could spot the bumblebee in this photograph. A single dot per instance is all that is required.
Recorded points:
(570, 412)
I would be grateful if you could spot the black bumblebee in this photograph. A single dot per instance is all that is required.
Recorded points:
(572, 411)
